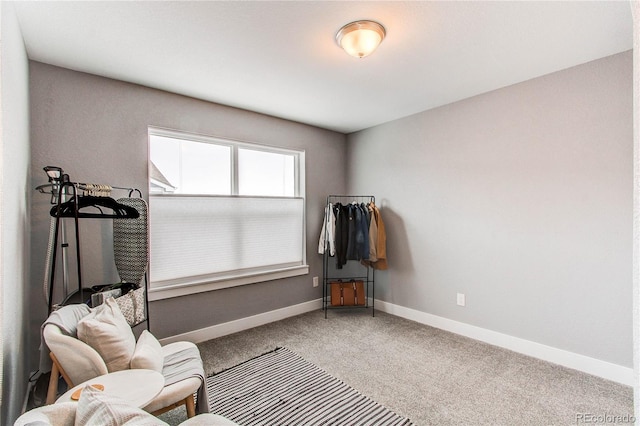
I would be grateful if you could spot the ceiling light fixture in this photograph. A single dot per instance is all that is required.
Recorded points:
(360, 38)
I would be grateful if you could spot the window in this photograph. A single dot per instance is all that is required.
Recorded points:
(222, 213)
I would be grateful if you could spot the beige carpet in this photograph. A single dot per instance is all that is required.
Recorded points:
(428, 375)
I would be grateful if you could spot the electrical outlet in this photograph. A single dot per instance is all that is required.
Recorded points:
(461, 299)
(315, 281)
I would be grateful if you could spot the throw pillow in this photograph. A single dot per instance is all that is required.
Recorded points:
(148, 353)
(97, 408)
(106, 330)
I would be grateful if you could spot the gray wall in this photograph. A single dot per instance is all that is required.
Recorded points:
(520, 198)
(96, 130)
(14, 214)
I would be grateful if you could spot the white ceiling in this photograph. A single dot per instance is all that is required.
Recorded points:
(280, 57)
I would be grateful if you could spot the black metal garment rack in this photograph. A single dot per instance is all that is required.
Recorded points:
(331, 274)
(68, 204)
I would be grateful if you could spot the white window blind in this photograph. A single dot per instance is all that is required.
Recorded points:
(198, 239)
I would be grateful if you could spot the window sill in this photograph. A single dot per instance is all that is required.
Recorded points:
(187, 288)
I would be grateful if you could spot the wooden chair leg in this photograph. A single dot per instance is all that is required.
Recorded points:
(191, 406)
(188, 402)
(52, 391)
(56, 371)
(64, 374)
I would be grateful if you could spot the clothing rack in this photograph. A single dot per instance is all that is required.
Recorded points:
(68, 203)
(330, 273)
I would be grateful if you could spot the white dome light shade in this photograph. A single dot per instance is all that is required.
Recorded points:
(360, 38)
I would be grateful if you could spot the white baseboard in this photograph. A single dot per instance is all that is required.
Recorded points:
(241, 324)
(595, 367)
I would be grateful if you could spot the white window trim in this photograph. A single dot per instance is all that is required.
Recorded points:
(183, 289)
(186, 287)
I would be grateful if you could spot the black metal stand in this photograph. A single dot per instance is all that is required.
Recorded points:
(62, 192)
(330, 273)
(64, 196)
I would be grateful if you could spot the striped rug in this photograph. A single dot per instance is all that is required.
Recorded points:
(281, 388)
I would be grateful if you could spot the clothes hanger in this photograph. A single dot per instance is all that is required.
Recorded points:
(132, 190)
(119, 211)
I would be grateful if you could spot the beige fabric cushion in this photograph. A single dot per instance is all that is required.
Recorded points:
(174, 393)
(148, 353)
(97, 408)
(61, 414)
(106, 330)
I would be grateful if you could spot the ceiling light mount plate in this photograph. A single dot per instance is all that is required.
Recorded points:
(360, 38)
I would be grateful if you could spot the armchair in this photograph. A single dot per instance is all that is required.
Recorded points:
(78, 362)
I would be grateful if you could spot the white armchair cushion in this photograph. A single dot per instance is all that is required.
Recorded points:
(106, 330)
(176, 391)
(148, 353)
(96, 408)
